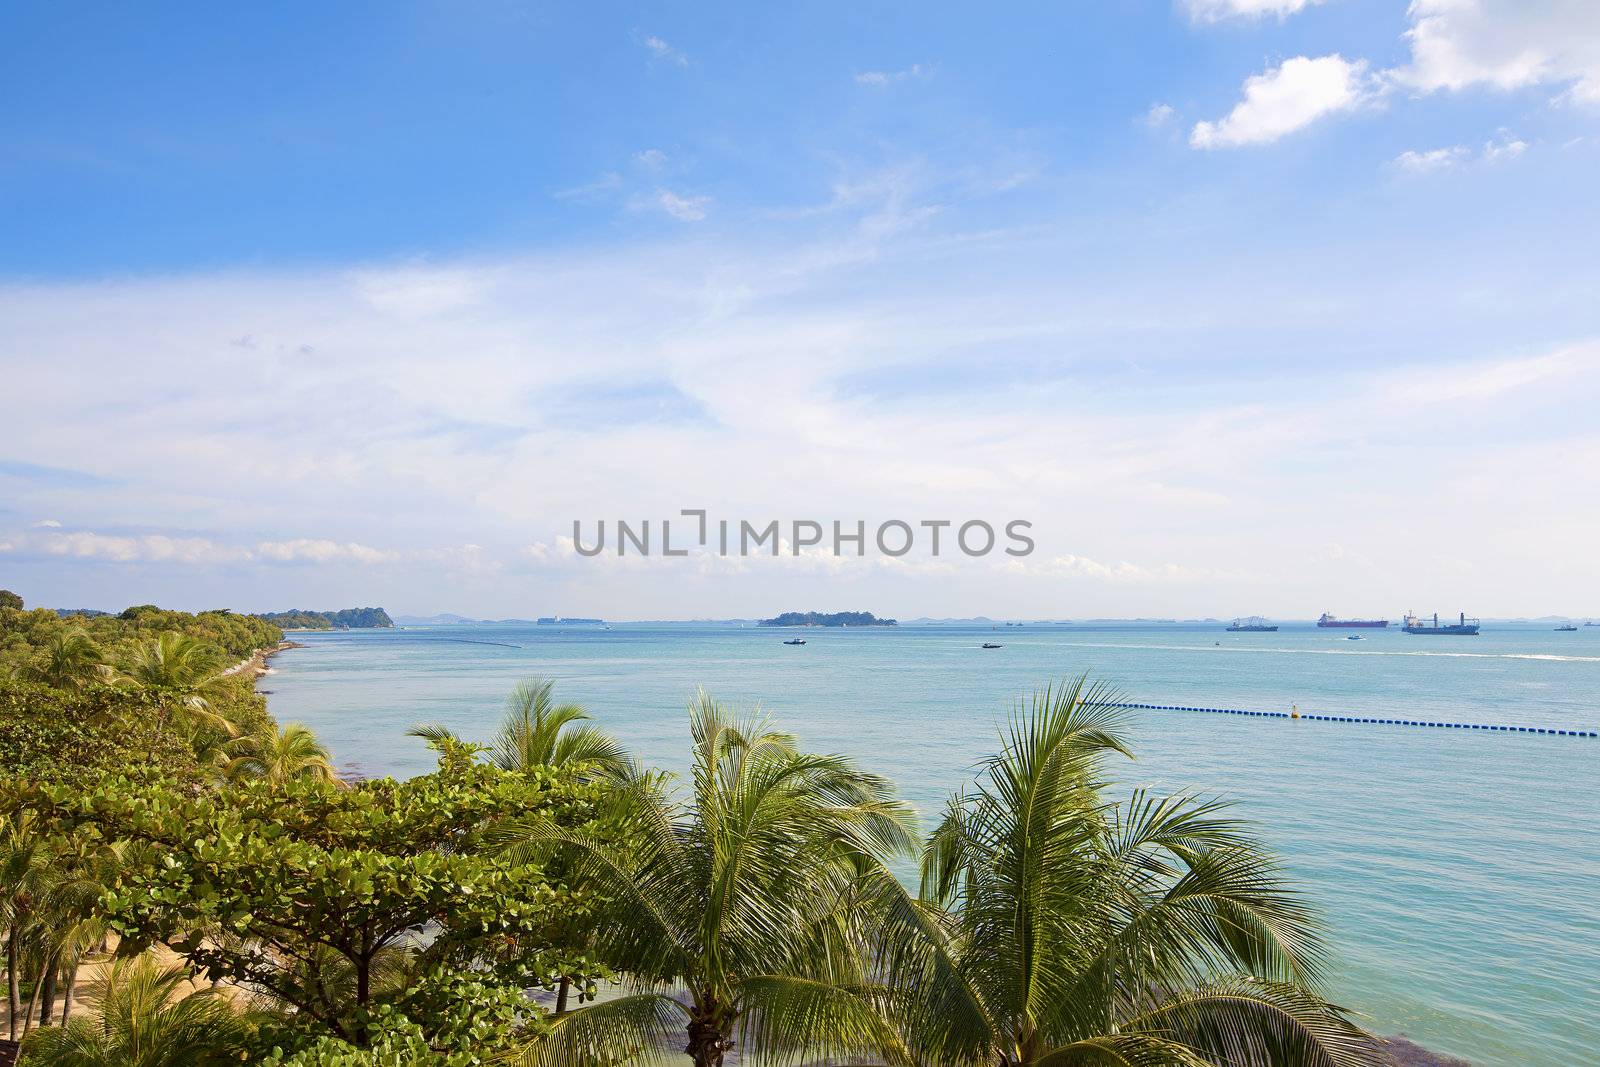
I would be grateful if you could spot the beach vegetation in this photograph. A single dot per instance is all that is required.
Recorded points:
(184, 881)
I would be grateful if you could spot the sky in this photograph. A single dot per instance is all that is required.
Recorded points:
(1247, 306)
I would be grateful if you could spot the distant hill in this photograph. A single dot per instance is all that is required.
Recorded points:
(344, 619)
(817, 618)
(443, 619)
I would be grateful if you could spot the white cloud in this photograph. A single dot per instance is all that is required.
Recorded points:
(1506, 44)
(1159, 115)
(682, 208)
(1288, 98)
(147, 548)
(1505, 149)
(322, 550)
(1074, 566)
(1433, 159)
(1217, 10)
(878, 79)
(47, 524)
(651, 158)
(178, 548)
(779, 370)
(661, 50)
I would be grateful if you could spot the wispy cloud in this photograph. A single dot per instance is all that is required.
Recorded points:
(651, 158)
(878, 79)
(1490, 380)
(682, 208)
(1218, 10)
(1501, 149)
(660, 50)
(1504, 148)
(1160, 115)
(1430, 160)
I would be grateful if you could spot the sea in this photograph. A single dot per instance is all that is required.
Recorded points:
(1457, 871)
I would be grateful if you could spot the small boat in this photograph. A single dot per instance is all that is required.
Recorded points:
(990, 644)
(795, 641)
(1569, 629)
(1354, 637)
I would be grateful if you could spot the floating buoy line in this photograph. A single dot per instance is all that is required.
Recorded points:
(1366, 720)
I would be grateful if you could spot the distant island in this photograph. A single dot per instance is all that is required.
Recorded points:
(344, 619)
(562, 620)
(817, 618)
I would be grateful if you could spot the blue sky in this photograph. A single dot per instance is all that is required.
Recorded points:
(1236, 300)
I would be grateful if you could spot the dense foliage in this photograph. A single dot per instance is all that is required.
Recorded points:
(24, 635)
(335, 901)
(344, 619)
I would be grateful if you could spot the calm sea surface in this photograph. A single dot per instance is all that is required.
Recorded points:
(1459, 872)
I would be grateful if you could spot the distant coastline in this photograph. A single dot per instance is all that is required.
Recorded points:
(299, 619)
(817, 618)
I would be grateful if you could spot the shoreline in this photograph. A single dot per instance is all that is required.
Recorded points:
(256, 662)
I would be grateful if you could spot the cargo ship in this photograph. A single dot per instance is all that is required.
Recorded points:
(1330, 621)
(1253, 625)
(1413, 625)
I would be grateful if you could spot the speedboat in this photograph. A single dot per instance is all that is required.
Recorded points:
(988, 644)
(795, 641)
(1354, 637)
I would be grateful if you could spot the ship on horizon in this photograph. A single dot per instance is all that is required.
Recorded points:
(1330, 621)
(1255, 624)
(1413, 625)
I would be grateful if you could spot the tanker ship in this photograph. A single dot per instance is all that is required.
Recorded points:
(1333, 622)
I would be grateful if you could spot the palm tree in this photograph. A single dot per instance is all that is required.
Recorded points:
(731, 907)
(181, 673)
(279, 755)
(24, 881)
(538, 732)
(71, 661)
(1059, 927)
(143, 1019)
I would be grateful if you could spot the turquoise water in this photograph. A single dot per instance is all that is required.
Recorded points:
(1457, 870)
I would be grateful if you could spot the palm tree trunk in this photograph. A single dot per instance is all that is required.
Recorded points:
(13, 988)
(47, 995)
(33, 1003)
(66, 995)
(561, 995)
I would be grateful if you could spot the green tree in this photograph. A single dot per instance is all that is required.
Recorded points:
(538, 732)
(70, 660)
(279, 755)
(1060, 927)
(336, 902)
(144, 1017)
(181, 673)
(8, 599)
(739, 897)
